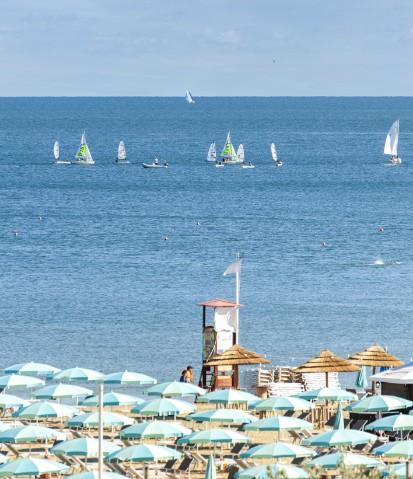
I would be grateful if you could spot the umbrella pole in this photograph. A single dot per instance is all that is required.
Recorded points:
(407, 468)
(100, 436)
(373, 382)
(326, 380)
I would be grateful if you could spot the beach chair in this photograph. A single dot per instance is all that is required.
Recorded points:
(359, 424)
(238, 447)
(242, 464)
(169, 465)
(185, 464)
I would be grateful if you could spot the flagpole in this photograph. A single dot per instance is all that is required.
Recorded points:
(237, 294)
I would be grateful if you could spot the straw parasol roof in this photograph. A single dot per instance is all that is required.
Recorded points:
(375, 356)
(327, 362)
(236, 355)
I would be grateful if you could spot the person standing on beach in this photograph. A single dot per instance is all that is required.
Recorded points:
(182, 379)
(189, 374)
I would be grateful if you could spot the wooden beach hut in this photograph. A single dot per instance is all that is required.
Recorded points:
(226, 365)
(375, 356)
(327, 362)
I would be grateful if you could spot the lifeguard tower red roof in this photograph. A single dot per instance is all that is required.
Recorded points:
(219, 303)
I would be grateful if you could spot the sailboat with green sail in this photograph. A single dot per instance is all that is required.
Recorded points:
(83, 155)
(228, 154)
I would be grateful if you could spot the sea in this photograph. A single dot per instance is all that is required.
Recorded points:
(88, 278)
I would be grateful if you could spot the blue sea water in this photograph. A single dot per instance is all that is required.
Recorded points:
(94, 283)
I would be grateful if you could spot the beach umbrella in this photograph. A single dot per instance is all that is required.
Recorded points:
(175, 389)
(361, 379)
(397, 471)
(163, 407)
(4, 426)
(46, 409)
(31, 466)
(91, 420)
(84, 447)
(17, 381)
(32, 369)
(265, 471)
(328, 394)
(78, 374)
(21, 434)
(339, 419)
(144, 453)
(154, 430)
(275, 450)
(397, 449)
(327, 362)
(128, 378)
(279, 423)
(113, 399)
(3, 458)
(395, 422)
(283, 403)
(338, 459)
(8, 401)
(95, 475)
(234, 416)
(379, 403)
(211, 472)
(340, 437)
(214, 436)
(229, 396)
(61, 391)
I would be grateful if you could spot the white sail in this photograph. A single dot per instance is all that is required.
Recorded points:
(189, 98)
(392, 139)
(274, 152)
(83, 155)
(212, 152)
(56, 150)
(121, 151)
(240, 153)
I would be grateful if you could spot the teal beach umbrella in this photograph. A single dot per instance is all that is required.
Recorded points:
(275, 450)
(128, 378)
(163, 407)
(397, 471)
(279, 423)
(328, 394)
(395, 422)
(379, 403)
(46, 409)
(214, 436)
(339, 420)
(32, 369)
(175, 389)
(397, 449)
(91, 420)
(144, 453)
(283, 403)
(83, 447)
(229, 396)
(361, 379)
(61, 391)
(338, 459)
(30, 466)
(78, 374)
(21, 434)
(264, 471)
(17, 381)
(234, 416)
(113, 399)
(154, 430)
(340, 437)
(8, 401)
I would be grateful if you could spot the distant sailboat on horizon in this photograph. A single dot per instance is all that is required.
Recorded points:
(121, 154)
(391, 144)
(56, 154)
(274, 155)
(83, 155)
(188, 97)
(212, 153)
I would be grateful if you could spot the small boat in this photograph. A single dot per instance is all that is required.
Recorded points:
(219, 164)
(212, 153)
(274, 155)
(83, 155)
(391, 144)
(229, 156)
(121, 159)
(247, 165)
(155, 164)
(188, 97)
(56, 154)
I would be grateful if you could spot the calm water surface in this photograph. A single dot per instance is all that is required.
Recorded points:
(94, 283)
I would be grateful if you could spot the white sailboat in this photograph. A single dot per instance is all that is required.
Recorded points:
(83, 155)
(228, 153)
(212, 153)
(121, 159)
(240, 153)
(188, 97)
(391, 143)
(274, 155)
(56, 154)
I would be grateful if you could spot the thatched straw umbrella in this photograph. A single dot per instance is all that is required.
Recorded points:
(327, 362)
(236, 356)
(375, 356)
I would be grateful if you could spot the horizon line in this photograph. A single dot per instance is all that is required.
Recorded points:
(204, 96)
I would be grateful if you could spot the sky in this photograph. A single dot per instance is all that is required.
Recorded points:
(212, 47)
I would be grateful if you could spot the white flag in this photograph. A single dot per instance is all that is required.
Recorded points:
(233, 268)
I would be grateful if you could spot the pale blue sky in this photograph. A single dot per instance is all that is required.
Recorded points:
(212, 47)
